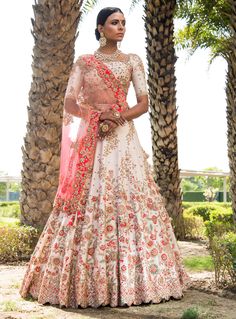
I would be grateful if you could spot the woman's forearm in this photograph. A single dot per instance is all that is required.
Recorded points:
(71, 107)
(137, 110)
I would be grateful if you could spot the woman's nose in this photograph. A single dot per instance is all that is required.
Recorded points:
(121, 27)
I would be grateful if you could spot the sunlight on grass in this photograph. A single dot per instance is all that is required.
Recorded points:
(9, 305)
(15, 285)
(199, 263)
(4, 221)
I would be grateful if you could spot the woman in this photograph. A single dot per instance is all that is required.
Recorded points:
(108, 240)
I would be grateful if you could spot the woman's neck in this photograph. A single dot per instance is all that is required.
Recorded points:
(109, 48)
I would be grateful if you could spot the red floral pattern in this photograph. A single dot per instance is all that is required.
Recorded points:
(112, 242)
(76, 187)
(124, 250)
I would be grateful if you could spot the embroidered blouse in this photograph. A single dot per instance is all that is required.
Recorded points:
(88, 89)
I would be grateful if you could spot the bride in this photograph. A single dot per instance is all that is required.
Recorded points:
(108, 239)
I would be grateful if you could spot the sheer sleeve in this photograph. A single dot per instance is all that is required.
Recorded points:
(138, 75)
(75, 81)
(74, 91)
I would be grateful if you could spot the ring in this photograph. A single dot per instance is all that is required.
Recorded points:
(104, 128)
(117, 114)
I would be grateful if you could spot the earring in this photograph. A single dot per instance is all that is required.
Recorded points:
(102, 40)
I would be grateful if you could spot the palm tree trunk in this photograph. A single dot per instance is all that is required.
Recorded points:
(231, 105)
(54, 31)
(161, 58)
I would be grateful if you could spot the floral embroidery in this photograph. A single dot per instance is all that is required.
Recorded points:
(111, 243)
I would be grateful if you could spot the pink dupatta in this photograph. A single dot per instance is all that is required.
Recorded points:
(77, 155)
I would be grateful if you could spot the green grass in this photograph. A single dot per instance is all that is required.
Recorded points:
(190, 313)
(9, 221)
(15, 285)
(199, 263)
(9, 305)
(10, 209)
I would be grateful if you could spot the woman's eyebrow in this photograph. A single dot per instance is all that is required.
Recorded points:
(115, 20)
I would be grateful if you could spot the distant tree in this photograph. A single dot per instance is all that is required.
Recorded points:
(212, 24)
(201, 183)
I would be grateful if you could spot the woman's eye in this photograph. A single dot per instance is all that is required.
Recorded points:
(114, 22)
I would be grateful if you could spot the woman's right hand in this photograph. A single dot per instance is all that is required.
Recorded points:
(111, 116)
(111, 126)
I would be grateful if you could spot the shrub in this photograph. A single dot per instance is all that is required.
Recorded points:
(193, 225)
(190, 313)
(223, 250)
(202, 210)
(220, 221)
(187, 204)
(10, 209)
(17, 242)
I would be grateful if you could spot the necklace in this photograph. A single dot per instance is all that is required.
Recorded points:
(107, 56)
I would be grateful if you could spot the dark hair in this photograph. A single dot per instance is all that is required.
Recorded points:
(102, 17)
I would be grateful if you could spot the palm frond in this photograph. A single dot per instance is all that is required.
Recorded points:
(133, 4)
(89, 5)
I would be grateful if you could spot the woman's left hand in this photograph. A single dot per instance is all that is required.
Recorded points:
(114, 116)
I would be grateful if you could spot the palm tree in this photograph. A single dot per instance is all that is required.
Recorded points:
(159, 25)
(41, 152)
(54, 30)
(212, 24)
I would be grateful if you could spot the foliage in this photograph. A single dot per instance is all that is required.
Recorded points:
(186, 205)
(201, 183)
(220, 221)
(202, 210)
(190, 313)
(207, 26)
(9, 305)
(210, 194)
(206, 219)
(193, 225)
(15, 187)
(89, 5)
(3, 188)
(10, 209)
(199, 263)
(221, 232)
(17, 242)
(9, 221)
(223, 250)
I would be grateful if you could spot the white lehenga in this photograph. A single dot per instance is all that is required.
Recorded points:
(124, 252)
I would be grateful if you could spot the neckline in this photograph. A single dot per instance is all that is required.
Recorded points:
(107, 56)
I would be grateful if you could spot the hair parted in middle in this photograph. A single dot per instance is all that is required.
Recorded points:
(102, 17)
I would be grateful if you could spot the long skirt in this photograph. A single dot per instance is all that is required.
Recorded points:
(123, 251)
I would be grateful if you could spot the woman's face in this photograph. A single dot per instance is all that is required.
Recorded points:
(114, 27)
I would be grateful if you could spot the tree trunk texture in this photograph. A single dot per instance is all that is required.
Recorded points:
(161, 59)
(231, 105)
(55, 31)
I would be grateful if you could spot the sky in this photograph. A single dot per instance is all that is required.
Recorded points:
(201, 101)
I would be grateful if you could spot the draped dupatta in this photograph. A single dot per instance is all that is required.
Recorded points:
(79, 138)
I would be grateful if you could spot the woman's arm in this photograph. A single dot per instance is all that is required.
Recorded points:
(71, 106)
(140, 108)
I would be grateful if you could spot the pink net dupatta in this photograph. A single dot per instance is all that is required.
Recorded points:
(78, 145)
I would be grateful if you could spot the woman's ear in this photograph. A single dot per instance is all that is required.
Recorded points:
(100, 28)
